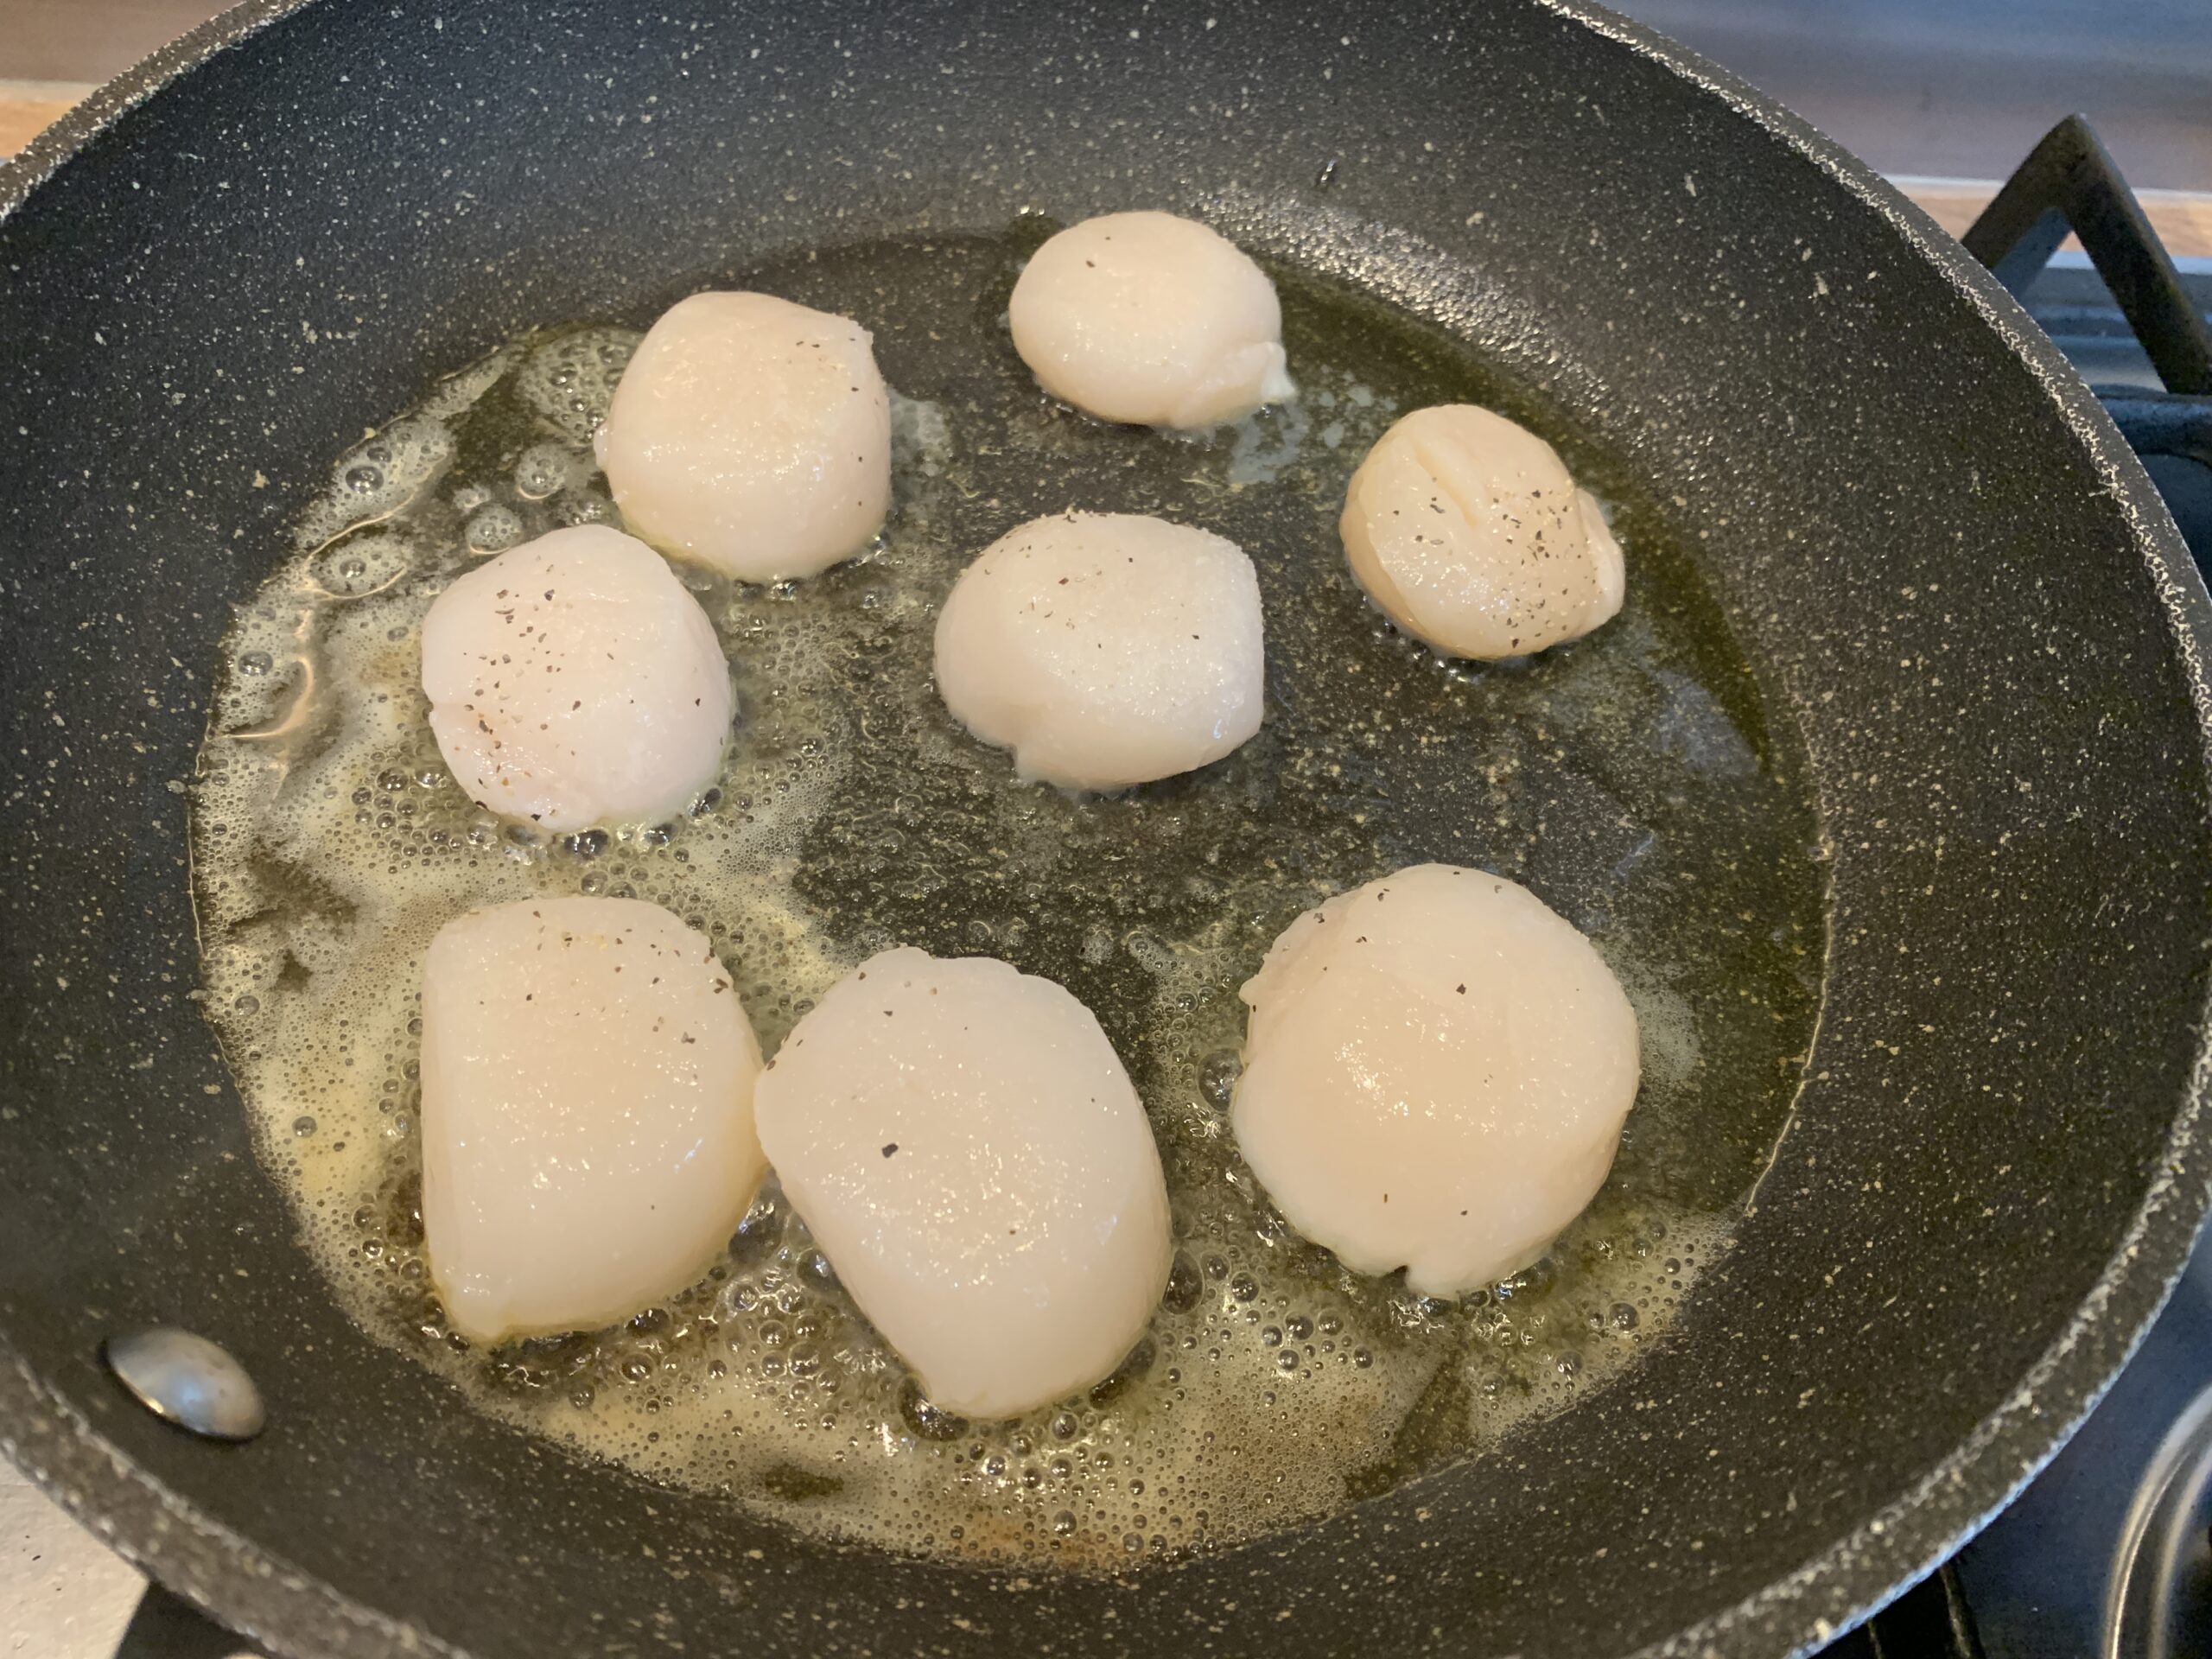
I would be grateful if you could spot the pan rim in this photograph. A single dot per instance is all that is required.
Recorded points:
(1919, 1530)
(258, 1594)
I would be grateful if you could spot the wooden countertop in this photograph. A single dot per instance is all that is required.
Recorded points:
(2183, 217)
(29, 107)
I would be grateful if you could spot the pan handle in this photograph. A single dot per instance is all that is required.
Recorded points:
(167, 1626)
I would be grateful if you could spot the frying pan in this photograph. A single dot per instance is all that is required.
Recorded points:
(1946, 573)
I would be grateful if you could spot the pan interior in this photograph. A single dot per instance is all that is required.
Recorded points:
(1637, 781)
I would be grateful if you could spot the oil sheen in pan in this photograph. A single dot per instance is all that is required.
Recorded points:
(1635, 780)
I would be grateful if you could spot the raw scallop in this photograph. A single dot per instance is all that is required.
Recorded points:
(574, 682)
(1470, 535)
(974, 1162)
(751, 436)
(1436, 1071)
(1150, 319)
(1105, 649)
(588, 1143)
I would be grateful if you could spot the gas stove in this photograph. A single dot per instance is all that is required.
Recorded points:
(2108, 1552)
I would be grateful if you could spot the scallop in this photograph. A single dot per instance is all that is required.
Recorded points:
(750, 435)
(971, 1158)
(574, 681)
(1105, 649)
(1153, 320)
(1468, 532)
(1437, 1067)
(587, 1142)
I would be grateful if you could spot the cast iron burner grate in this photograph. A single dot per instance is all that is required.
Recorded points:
(2070, 182)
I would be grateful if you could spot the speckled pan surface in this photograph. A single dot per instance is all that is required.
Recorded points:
(1933, 548)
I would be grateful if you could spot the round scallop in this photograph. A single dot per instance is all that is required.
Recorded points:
(972, 1159)
(750, 435)
(1468, 532)
(1152, 319)
(588, 1144)
(1437, 1067)
(1105, 649)
(574, 682)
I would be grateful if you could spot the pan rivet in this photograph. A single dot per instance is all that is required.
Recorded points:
(187, 1381)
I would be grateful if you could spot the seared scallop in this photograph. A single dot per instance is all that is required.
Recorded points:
(750, 435)
(1468, 532)
(972, 1159)
(588, 1143)
(574, 682)
(1437, 1068)
(1105, 649)
(1150, 319)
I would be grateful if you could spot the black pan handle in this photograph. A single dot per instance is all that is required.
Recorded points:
(167, 1626)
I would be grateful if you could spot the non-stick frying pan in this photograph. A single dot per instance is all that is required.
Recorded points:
(1942, 565)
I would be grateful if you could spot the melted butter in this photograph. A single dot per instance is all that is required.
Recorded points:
(1633, 780)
